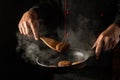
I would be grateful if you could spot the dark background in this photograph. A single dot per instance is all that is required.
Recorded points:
(11, 64)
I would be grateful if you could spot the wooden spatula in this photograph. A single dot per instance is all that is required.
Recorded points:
(54, 44)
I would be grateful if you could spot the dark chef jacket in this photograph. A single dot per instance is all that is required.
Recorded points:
(81, 17)
(83, 21)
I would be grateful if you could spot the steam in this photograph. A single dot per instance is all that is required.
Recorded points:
(33, 50)
(80, 35)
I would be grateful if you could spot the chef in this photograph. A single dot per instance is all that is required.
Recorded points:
(84, 24)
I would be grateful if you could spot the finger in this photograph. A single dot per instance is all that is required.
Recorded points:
(29, 29)
(99, 47)
(113, 46)
(34, 30)
(25, 27)
(106, 43)
(94, 45)
(108, 46)
(115, 43)
(20, 29)
(116, 40)
(111, 43)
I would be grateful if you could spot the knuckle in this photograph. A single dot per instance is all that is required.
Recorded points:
(102, 35)
(30, 21)
(107, 37)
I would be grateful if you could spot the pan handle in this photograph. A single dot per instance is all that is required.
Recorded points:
(92, 52)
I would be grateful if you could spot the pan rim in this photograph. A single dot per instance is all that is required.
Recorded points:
(55, 66)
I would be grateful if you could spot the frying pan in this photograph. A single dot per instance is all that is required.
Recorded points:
(76, 56)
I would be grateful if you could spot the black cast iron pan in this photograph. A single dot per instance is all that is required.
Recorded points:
(77, 57)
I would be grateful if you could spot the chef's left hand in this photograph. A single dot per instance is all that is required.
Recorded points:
(107, 40)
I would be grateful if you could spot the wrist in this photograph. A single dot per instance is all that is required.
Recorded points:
(113, 28)
(117, 27)
(117, 22)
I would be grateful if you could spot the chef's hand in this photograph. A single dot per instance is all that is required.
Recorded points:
(107, 39)
(29, 23)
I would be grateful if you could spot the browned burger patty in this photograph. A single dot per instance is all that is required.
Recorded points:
(64, 63)
(60, 47)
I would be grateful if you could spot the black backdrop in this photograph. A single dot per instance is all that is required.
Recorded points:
(11, 64)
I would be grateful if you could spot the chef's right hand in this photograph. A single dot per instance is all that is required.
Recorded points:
(29, 23)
